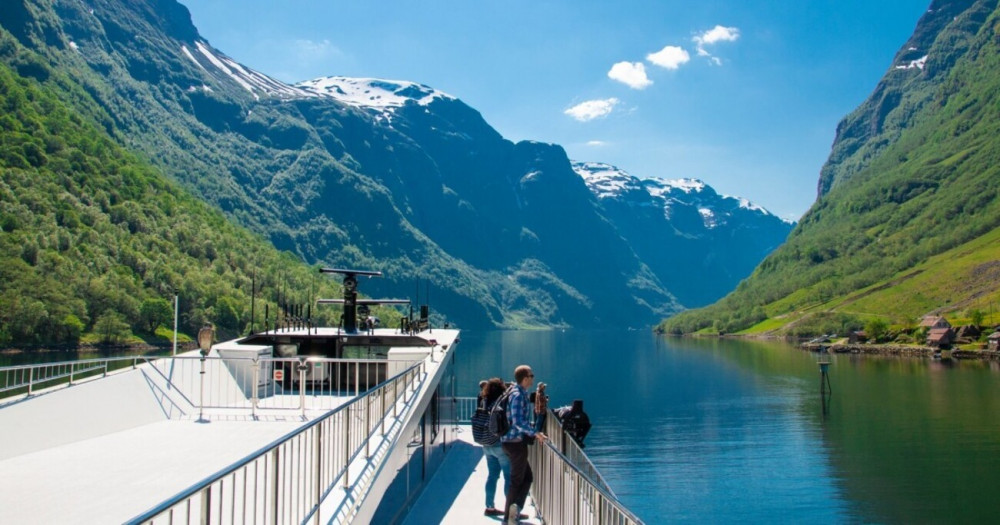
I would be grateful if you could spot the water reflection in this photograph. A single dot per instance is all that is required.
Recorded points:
(726, 430)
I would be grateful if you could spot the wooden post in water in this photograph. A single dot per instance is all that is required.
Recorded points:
(825, 390)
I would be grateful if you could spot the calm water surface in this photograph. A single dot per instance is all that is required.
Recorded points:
(734, 431)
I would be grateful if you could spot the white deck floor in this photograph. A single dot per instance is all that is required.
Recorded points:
(104, 451)
(456, 493)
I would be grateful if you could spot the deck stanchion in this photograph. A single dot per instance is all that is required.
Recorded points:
(275, 488)
(318, 458)
(302, 385)
(347, 448)
(254, 394)
(206, 505)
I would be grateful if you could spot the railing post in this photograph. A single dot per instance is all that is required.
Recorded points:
(274, 485)
(302, 387)
(31, 379)
(395, 398)
(318, 461)
(347, 446)
(72, 368)
(206, 505)
(357, 378)
(368, 413)
(201, 395)
(256, 382)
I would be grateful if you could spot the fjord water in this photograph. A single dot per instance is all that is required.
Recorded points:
(708, 430)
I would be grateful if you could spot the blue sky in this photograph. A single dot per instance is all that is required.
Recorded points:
(743, 94)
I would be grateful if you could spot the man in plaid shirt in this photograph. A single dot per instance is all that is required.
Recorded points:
(515, 443)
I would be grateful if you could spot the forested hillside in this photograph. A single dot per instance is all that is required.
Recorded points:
(422, 187)
(96, 240)
(913, 173)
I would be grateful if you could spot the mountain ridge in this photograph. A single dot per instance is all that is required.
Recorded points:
(420, 191)
(911, 176)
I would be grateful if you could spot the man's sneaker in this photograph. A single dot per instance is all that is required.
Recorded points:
(493, 512)
(512, 514)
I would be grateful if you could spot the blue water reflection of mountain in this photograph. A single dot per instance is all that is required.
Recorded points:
(725, 431)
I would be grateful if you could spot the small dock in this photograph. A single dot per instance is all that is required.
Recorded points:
(456, 493)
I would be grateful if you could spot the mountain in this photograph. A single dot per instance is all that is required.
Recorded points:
(699, 243)
(95, 243)
(388, 175)
(912, 176)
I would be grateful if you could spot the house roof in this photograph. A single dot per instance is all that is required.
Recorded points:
(931, 320)
(937, 334)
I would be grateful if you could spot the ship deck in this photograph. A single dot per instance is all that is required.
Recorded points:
(455, 495)
(108, 449)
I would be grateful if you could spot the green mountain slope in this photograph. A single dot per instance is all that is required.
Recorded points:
(429, 192)
(90, 232)
(913, 173)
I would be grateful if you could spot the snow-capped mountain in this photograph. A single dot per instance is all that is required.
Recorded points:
(610, 182)
(362, 171)
(683, 227)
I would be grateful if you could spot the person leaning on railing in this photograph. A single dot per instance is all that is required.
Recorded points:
(515, 443)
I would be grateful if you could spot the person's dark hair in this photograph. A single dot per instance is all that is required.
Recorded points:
(521, 372)
(494, 389)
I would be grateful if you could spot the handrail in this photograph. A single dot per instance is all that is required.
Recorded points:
(569, 448)
(24, 379)
(288, 479)
(568, 488)
(563, 493)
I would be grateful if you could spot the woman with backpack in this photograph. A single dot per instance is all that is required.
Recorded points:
(496, 460)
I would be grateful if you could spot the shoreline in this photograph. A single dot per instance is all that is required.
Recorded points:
(899, 351)
(95, 348)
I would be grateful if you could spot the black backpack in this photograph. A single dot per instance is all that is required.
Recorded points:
(481, 424)
(499, 425)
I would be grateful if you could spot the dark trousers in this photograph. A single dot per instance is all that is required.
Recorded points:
(520, 475)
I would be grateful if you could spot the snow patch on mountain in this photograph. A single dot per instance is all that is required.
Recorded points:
(257, 83)
(609, 182)
(914, 64)
(373, 92)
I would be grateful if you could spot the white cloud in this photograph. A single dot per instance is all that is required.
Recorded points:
(596, 143)
(713, 36)
(670, 57)
(718, 34)
(309, 50)
(592, 109)
(632, 74)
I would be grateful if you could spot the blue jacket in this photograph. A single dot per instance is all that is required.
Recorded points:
(517, 416)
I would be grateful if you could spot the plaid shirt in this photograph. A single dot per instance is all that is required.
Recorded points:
(517, 416)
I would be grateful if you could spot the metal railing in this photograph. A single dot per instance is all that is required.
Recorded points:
(464, 408)
(271, 383)
(229, 383)
(568, 447)
(563, 493)
(26, 379)
(567, 487)
(286, 481)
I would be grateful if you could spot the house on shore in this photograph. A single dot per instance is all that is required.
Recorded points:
(932, 322)
(993, 341)
(940, 337)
